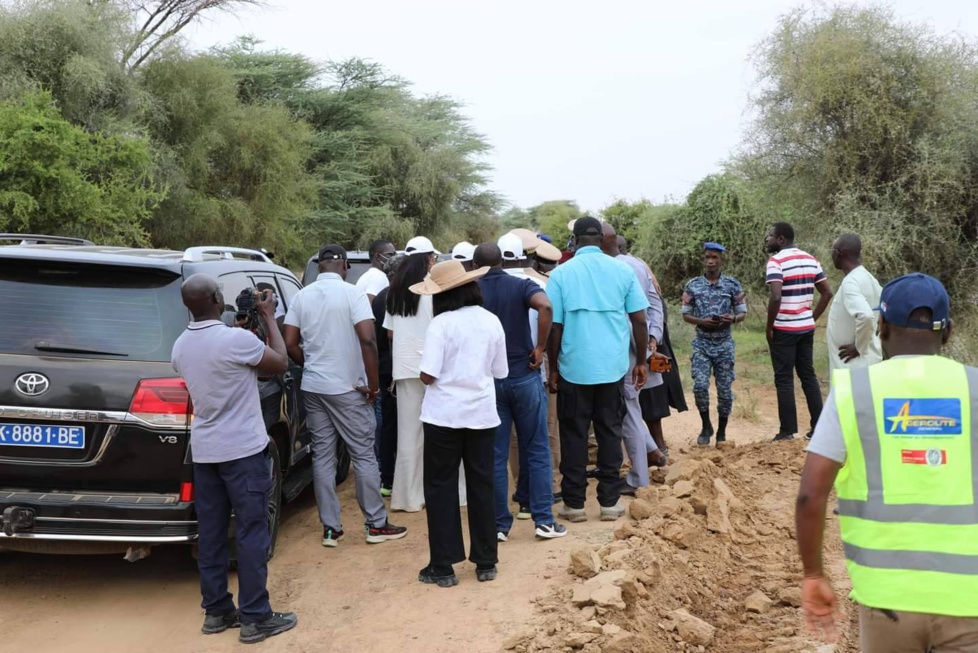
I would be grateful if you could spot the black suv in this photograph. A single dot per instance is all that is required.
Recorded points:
(94, 423)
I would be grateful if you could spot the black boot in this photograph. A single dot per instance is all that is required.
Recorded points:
(707, 432)
(722, 429)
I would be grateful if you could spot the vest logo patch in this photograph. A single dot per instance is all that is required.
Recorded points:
(932, 457)
(922, 417)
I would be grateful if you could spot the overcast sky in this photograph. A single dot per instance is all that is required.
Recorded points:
(589, 101)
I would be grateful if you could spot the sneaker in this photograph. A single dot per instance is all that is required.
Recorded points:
(612, 513)
(628, 490)
(386, 532)
(551, 531)
(721, 437)
(440, 576)
(484, 573)
(332, 536)
(592, 472)
(502, 536)
(573, 515)
(808, 436)
(218, 623)
(558, 497)
(781, 437)
(524, 512)
(277, 624)
(385, 492)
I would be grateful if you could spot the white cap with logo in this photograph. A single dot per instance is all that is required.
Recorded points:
(511, 246)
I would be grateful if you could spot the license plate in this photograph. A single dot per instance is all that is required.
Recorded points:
(37, 435)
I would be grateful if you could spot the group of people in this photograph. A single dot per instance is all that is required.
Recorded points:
(445, 380)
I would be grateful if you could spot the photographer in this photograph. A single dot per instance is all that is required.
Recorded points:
(229, 445)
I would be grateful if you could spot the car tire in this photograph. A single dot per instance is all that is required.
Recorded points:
(274, 508)
(342, 461)
(274, 497)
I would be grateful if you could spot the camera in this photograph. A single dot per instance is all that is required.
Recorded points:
(247, 314)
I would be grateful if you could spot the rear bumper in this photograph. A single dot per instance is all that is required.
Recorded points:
(102, 517)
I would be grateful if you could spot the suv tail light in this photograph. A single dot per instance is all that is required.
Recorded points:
(162, 402)
(186, 491)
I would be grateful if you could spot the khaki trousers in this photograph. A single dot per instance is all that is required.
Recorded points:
(914, 632)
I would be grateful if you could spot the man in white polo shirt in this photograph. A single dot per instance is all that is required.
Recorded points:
(340, 381)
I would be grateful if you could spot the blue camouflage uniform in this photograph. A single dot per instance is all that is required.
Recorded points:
(713, 351)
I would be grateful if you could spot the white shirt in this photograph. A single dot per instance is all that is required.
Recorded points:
(372, 282)
(465, 350)
(409, 334)
(217, 362)
(852, 320)
(326, 313)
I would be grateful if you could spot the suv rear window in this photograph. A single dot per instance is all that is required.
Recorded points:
(75, 309)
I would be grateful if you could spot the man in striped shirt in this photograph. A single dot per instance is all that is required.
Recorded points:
(793, 276)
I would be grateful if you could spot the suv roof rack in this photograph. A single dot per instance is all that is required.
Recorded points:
(40, 239)
(196, 254)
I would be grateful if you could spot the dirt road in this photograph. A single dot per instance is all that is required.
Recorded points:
(356, 597)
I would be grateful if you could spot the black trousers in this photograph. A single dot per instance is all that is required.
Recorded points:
(790, 353)
(578, 407)
(241, 485)
(387, 442)
(444, 450)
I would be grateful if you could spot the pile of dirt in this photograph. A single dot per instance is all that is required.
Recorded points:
(707, 562)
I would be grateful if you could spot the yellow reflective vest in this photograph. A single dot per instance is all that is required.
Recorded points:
(907, 492)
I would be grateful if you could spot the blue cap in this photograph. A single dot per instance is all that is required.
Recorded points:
(906, 294)
(545, 238)
(716, 247)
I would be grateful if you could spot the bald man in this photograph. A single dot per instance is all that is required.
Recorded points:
(232, 463)
(851, 331)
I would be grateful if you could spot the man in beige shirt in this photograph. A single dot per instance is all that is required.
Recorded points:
(851, 334)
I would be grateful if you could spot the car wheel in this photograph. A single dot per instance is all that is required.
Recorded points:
(274, 498)
(342, 461)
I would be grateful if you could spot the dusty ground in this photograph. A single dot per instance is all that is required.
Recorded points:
(367, 598)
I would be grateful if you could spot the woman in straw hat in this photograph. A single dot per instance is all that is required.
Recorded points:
(464, 352)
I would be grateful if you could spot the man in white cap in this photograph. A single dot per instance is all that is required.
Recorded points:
(420, 245)
(463, 253)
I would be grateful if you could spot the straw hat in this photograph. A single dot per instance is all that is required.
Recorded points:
(445, 276)
(548, 252)
(529, 239)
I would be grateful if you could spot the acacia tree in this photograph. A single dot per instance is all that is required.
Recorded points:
(156, 22)
(57, 178)
(866, 123)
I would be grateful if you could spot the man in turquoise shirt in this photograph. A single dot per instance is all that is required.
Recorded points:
(599, 309)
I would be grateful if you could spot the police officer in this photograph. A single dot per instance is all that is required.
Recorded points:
(712, 303)
(903, 434)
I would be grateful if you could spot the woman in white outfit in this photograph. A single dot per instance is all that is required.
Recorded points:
(407, 318)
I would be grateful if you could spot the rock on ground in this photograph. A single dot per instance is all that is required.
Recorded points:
(693, 629)
(584, 562)
(758, 602)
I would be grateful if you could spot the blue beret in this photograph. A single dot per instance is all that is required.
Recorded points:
(714, 246)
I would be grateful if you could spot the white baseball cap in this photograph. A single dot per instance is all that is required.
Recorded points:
(511, 246)
(464, 251)
(420, 245)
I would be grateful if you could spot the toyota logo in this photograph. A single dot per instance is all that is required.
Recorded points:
(32, 384)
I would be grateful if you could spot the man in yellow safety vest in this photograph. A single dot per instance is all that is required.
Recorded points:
(900, 443)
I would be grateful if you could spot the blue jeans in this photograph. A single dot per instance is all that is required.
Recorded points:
(242, 485)
(523, 401)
